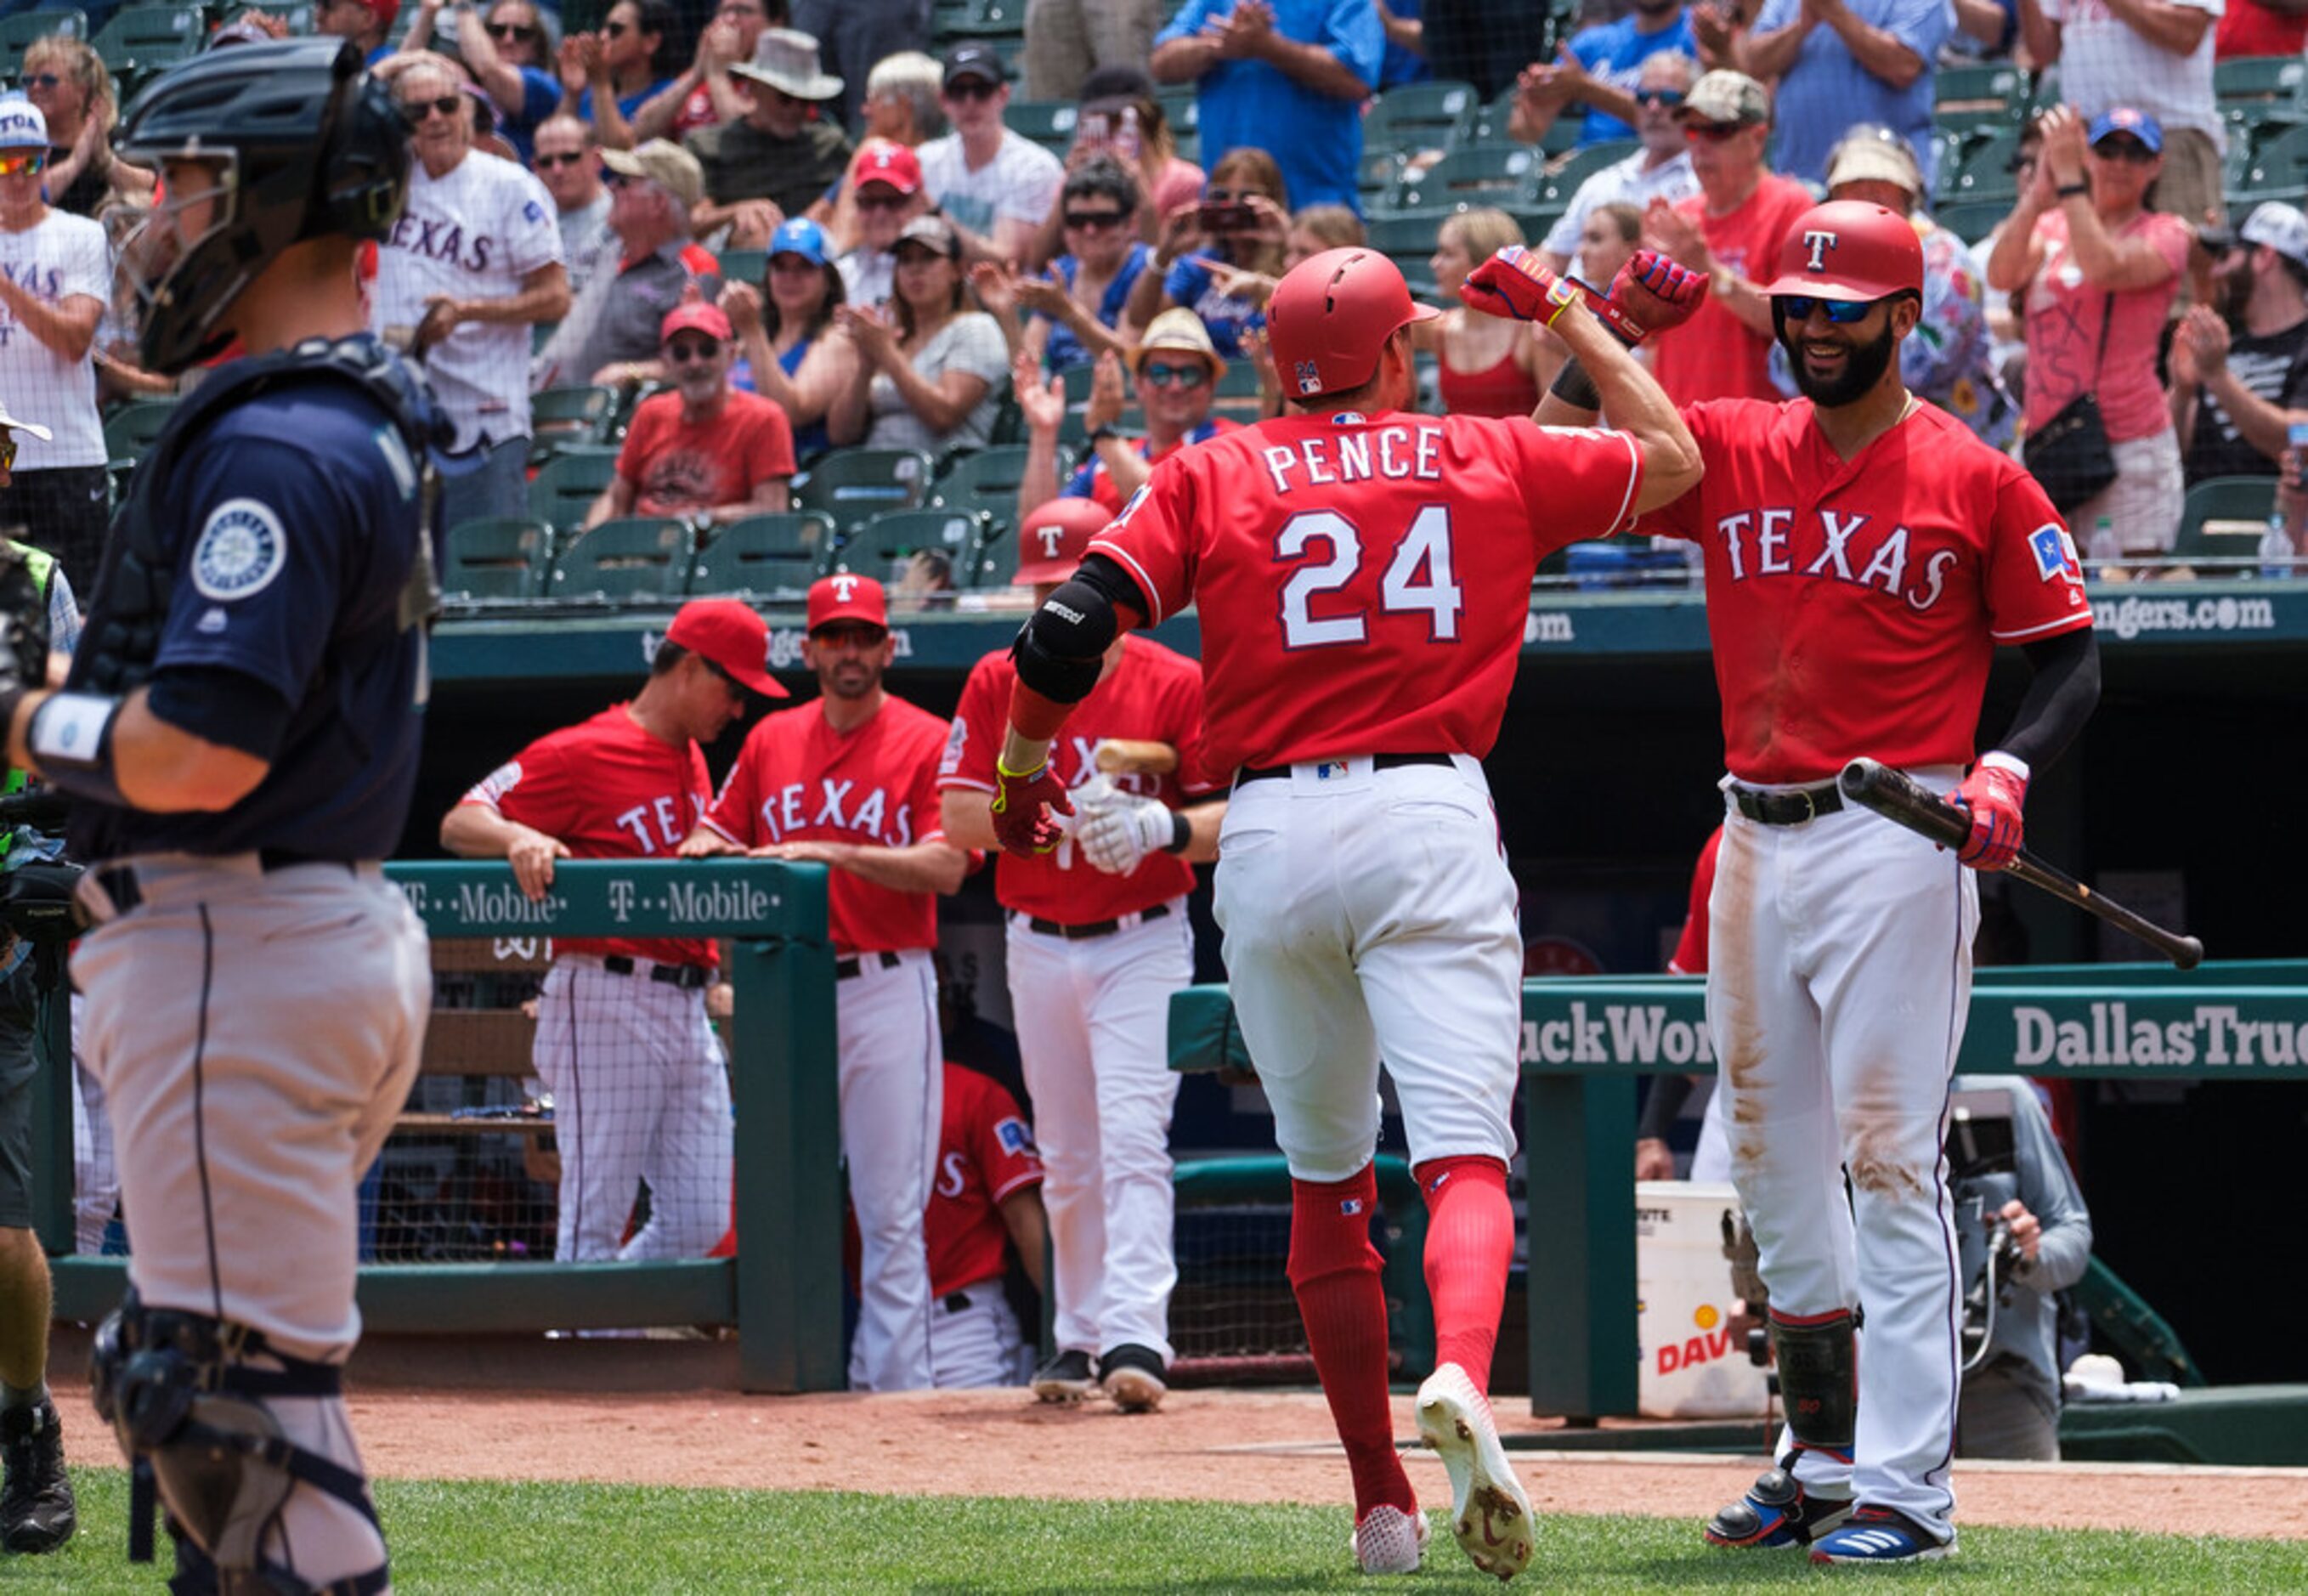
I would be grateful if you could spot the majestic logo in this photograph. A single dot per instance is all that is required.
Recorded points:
(241, 550)
(1819, 241)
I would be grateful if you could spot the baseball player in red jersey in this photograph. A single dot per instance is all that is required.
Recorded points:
(986, 1197)
(1098, 942)
(1865, 554)
(850, 782)
(640, 1089)
(1363, 575)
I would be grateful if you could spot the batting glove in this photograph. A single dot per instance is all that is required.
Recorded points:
(1996, 792)
(1513, 283)
(1026, 804)
(1118, 838)
(1652, 293)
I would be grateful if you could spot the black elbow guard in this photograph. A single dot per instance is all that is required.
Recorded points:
(1061, 647)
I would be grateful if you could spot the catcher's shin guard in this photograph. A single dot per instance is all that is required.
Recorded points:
(189, 1396)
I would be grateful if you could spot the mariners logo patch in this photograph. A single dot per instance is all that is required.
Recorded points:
(2055, 553)
(241, 550)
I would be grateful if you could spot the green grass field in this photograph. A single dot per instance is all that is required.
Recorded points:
(459, 1539)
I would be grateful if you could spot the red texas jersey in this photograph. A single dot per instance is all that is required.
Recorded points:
(1691, 948)
(1153, 695)
(1363, 580)
(797, 780)
(986, 1152)
(610, 791)
(1856, 605)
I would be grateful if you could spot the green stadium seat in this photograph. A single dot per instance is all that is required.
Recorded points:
(19, 31)
(987, 479)
(2279, 170)
(765, 557)
(635, 557)
(2268, 79)
(1238, 397)
(2222, 520)
(1973, 221)
(1556, 185)
(130, 430)
(298, 13)
(1049, 123)
(885, 546)
(852, 486)
(1408, 241)
(1431, 115)
(992, 562)
(496, 557)
(560, 418)
(1469, 175)
(984, 18)
(1991, 95)
(1380, 170)
(566, 486)
(141, 39)
(1986, 175)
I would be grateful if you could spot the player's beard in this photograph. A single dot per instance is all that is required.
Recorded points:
(1863, 367)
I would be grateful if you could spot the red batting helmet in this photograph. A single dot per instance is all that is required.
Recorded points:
(1846, 250)
(1330, 315)
(1051, 543)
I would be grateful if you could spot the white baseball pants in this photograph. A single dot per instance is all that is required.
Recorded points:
(640, 1093)
(255, 1034)
(1368, 914)
(1093, 1019)
(974, 1339)
(892, 1093)
(1838, 979)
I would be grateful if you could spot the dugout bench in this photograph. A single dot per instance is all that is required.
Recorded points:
(1585, 1040)
(782, 1292)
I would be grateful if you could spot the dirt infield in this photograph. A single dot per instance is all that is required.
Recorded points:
(1260, 1446)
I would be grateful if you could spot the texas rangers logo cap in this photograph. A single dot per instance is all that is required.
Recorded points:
(1054, 538)
(731, 635)
(846, 596)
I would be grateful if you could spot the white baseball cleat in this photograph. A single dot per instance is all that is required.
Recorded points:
(1389, 1540)
(1490, 1515)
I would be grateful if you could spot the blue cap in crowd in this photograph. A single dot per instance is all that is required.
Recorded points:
(799, 236)
(2140, 124)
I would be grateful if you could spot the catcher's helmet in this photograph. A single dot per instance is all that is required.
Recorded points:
(307, 145)
(1051, 542)
(1847, 249)
(1330, 315)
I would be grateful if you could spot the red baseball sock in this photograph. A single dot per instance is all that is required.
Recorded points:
(1335, 1272)
(1469, 1244)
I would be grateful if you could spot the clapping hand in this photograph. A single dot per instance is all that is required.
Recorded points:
(1042, 403)
(870, 330)
(1107, 397)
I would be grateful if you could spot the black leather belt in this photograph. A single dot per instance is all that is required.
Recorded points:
(844, 969)
(1089, 928)
(689, 978)
(119, 881)
(1787, 809)
(1379, 761)
(955, 1302)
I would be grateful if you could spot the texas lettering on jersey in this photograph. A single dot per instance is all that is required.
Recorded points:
(1856, 547)
(871, 815)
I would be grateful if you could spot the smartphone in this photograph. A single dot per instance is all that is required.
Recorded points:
(1094, 130)
(1235, 216)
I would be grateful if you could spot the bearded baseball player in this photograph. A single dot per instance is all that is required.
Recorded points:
(850, 782)
(1865, 554)
(1098, 942)
(640, 1091)
(1363, 576)
(240, 731)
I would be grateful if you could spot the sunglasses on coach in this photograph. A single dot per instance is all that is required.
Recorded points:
(1842, 313)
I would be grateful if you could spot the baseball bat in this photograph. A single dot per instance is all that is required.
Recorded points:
(1897, 798)
(1118, 754)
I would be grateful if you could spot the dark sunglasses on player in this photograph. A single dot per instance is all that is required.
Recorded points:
(1090, 220)
(1161, 374)
(415, 111)
(1669, 97)
(681, 352)
(1842, 313)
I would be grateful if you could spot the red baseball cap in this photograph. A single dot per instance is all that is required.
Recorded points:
(697, 316)
(846, 596)
(1052, 542)
(884, 161)
(733, 636)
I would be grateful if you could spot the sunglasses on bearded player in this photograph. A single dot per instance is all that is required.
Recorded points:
(1842, 313)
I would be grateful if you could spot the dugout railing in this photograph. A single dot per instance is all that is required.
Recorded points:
(1586, 1039)
(783, 1293)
